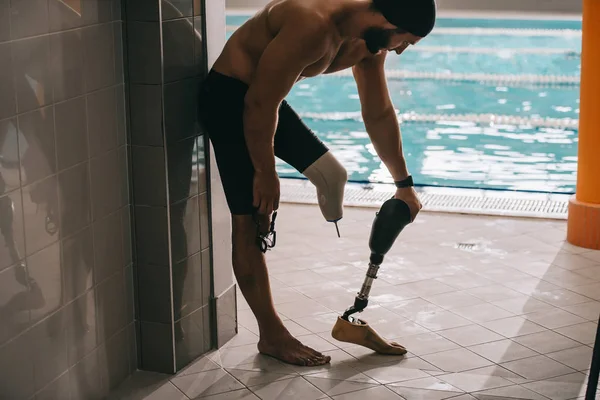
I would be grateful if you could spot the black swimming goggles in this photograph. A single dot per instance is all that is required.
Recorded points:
(268, 240)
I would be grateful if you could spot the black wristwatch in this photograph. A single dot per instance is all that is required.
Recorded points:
(408, 182)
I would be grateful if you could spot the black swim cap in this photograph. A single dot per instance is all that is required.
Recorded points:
(414, 16)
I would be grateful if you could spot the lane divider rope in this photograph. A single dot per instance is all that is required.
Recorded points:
(494, 51)
(507, 32)
(486, 119)
(490, 31)
(509, 79)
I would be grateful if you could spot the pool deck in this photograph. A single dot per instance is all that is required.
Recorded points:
(489, 308)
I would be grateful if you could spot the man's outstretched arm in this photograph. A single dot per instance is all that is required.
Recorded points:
(382, 125)
(379, 115)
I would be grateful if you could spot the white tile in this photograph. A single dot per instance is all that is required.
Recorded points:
(427, 343)
(495, 370)
(318, 323)
(438, 321)
(253, 378)
(510, 392)
(243, 394)
(374, 361)
(166, 392)
(317, 290)
(456, 360)
(592, 273)
(503, 351)
(452, 300)
(294, 328)
(298, 278)
(413, 308)
(380, 294)
(473, 382)
(286, 295)
(530, 286)
(561, 298)
(557, 390)
(333, 387)
(422, 394)
(546, 342)
(553, 319)
(584, 333)
(536, 368)
(392, 374)
(234, 356)
(513, 327)
(427, 287)
(304, 308)
(201, 365)
(470, 335)
(206, 383)
(574, 262)
(483, 312)
(578, 358)
(589, 310)
(431, 383)
(522, 305)
(494, 293)
(589, 290)
(465, 280)
(344, 374)
(566, 279)
(244, 337)
(593, 255)
(376, 393)
(295, 388)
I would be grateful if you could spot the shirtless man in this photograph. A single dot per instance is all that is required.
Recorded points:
(249, 123)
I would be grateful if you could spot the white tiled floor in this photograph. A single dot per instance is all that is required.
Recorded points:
(513, 318)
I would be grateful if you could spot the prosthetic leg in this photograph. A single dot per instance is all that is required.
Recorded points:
(391, 219)
(329, 177)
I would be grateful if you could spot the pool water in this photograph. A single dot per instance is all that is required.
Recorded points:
(463, 152)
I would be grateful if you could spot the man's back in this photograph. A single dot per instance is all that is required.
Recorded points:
(243, 51)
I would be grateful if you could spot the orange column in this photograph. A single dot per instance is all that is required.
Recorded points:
(584, 207)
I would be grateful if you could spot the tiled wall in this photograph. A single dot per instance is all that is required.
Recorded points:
(166, 62)
(66, 304)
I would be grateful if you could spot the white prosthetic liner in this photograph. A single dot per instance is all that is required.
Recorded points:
(329, 177)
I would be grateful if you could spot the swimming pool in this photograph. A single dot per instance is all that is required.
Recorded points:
(483, 103)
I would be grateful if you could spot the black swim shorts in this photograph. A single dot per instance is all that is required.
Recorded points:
(221, 108)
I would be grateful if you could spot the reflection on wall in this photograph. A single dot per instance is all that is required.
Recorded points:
(171, 222)
(66, 304)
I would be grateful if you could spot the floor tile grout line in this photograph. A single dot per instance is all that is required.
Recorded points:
(179, 390)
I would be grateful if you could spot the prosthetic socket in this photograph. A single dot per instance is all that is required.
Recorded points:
(391, 219)
(329, 177)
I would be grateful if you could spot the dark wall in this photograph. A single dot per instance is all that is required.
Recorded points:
(66, 299)
(166, 62)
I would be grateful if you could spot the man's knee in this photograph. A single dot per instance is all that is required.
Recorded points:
(329, 177)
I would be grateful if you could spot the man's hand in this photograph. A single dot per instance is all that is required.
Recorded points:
(266, 192)
(409, 196)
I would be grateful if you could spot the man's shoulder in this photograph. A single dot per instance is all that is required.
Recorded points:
(306, 21)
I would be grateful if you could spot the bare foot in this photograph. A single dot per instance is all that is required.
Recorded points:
(289, 350)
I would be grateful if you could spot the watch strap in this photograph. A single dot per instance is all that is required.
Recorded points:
(407, 182)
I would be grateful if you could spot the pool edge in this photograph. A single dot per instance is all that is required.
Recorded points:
(502, 203)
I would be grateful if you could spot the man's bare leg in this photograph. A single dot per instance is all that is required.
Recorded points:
(250, 270)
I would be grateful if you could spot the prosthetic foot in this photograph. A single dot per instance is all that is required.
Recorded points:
(359, 332)
(391, 219)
